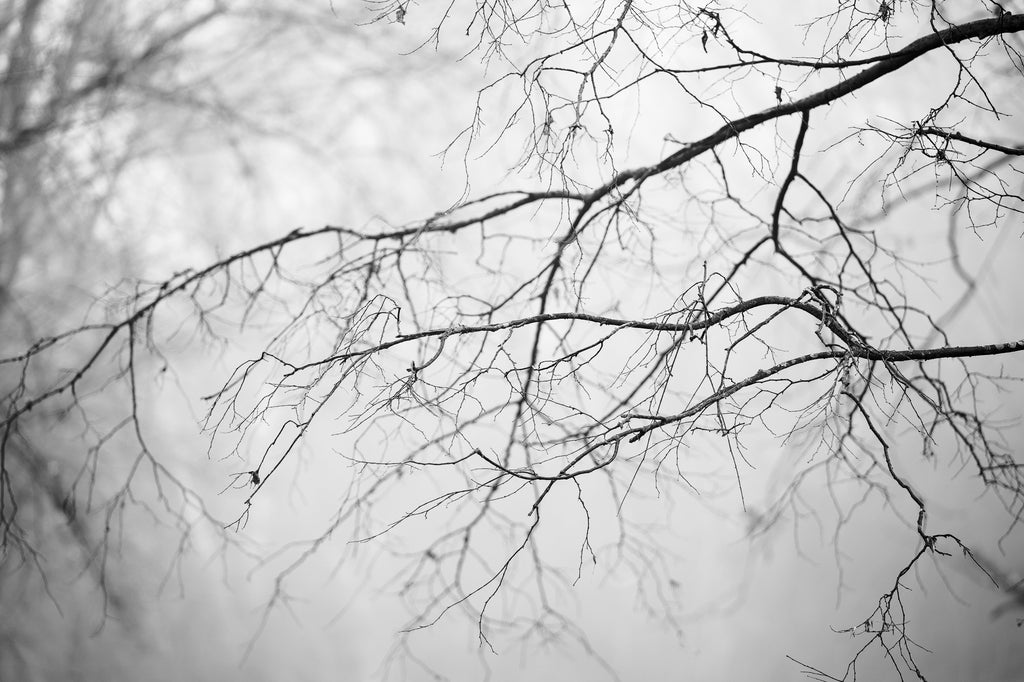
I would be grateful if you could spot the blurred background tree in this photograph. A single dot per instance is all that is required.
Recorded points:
(137, 138)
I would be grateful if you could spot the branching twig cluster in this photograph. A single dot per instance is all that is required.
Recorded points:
(537, 355)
